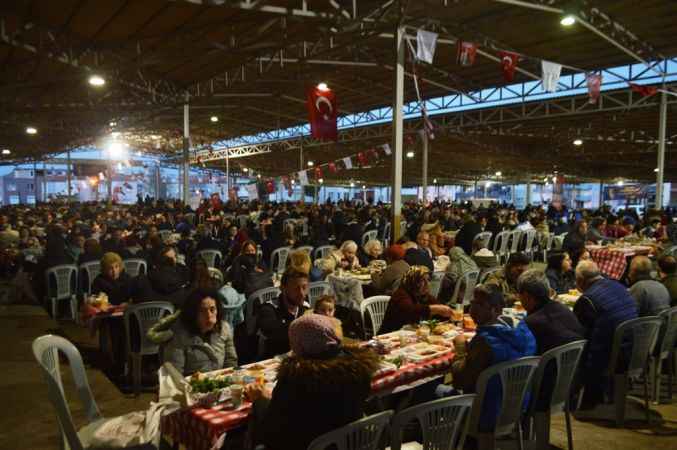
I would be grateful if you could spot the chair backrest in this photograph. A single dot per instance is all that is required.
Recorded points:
(278, 259)
(135, 266)
(515, 241)
(165, 235)
(232, 314)
(46, 351)
(317, 289)
(323, 251)
(376, 307)
(289, 223)
(259, 253)
(255, 300)
(363, 434)
(501, 243)
(144, 316)
(442, 422)
(305, 248)
(216, 274)
(190, 218)
(672, 251)
(469, 280)
(487, 272)
(369, 235)
(210, 257)
(242, 220)
(530, 238)
(565, 358)
(66, 278)
(436, 283)
(515, 378)
(91, 270)
(348, 291)
(548, 241)
(483, 239)
(669, 332)
(386, 233)
(643, 333)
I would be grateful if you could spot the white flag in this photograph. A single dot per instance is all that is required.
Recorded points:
(425, 45)
(303, 177)
(386, 149)
(348, 162)
(252, 191)
(551, 72)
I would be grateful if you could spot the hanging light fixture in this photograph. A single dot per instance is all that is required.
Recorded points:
(96, 80)
(568, 20)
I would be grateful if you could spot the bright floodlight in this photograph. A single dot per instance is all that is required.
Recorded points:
(619, 183)
(96, 80)
(5, 151)
(258, 176)
(321, 180)
(311, 164)
(245, 170)
(116, 150)
(568, 20)
(578, 142)
(435, 181)
(293, 181)
(322, 86)
(214, 119)
(364, 186)
(410, 154)
(352, 184)
(655, 170)
(31, 130)
(113, 124)
(498, 174)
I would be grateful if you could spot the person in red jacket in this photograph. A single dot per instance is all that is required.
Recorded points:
(412, 302)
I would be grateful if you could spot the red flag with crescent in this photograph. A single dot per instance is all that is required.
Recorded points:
(322, 111)
(332, 167)
(362, 159)
(270, 186)
(644, 91)
(318, 173)
(509, 62)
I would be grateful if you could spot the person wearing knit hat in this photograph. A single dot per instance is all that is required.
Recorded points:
(412, 302)
(322, 383)
(386, 282)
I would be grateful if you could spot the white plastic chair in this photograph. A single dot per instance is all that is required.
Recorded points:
(516, 237)
(666, 350)
(242, 220)
(317, 289)
(66, 278)
(46, 351)
(501, 245)
(469, 280)
(91, 270)
(530, 241)
(348, 291)
(254, 302)
(515, 378)
(135, 266)
(363, 434)
(483, 239)
(386, 234)
(144, 316)
(305, 248)
(643, 333)
(376, 307)
(190, 218)
(323, 251)
(232, 313)
(216, 274)
(547, 241)
(565, 359)
(436, 283)
(485, 273)
(278, 259)
(442, 423)
(211, 257)
(369, 235)
(557, 242)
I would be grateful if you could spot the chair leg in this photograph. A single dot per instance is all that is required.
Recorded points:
(486, 441)
(646, 397)
(519, 435)
(671, 371)
(136, 370)
(656, 368)
(542, 429)
(620, 391)
(570, 436)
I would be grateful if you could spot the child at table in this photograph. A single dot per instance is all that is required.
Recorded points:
(325, 305)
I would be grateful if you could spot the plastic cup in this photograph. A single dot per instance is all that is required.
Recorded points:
(404, 339)
(236, 394)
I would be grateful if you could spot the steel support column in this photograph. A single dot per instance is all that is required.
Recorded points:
(186, 150)
(661, 149)
(397, 128)
(68, 174)
(528, 191)
(424, 137)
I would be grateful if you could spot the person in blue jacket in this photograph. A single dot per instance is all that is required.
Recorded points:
(494, 342)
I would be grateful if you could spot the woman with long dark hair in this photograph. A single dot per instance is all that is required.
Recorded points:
(560, 272)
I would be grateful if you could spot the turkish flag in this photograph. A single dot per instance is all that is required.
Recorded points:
(362, 159)
(509, 62)
(332, 167)
(270, 186)
(645, 91)
(318, 173)
(322, 111)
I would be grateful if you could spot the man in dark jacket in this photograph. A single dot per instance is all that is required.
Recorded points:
(275, 316)
(604, 305)
(466, 235)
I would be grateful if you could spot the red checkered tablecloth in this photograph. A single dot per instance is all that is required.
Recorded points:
(202, 428)
(613, 260)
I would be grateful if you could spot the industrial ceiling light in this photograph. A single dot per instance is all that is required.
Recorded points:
(655, 170)
(245, 170)
(435, 181)
(323, 86)
(113, 124)
(352, 184)
(321, 180)
(116, 150)
(410, 154)
(293, 181)
(97, 80)
(498, 174)
(258, 176)
(310, 164)
(578, 142)
(619, 183)
(214, 119)
(364, 186)
(31, 130)
(568, 20)
(5, 151)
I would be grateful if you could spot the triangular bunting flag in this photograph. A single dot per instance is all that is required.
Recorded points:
(509, 62)
(550, 73)
(303, 177)
(348, 162)
(386, 149)
(332, 167)
(425, 45)
(644, 91)
(594, 82)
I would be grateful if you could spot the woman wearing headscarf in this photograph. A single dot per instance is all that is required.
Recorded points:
(323, 381)
(386, 282)
(459, 264)
(412, 302)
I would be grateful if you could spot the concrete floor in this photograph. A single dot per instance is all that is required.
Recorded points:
(28, 421)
